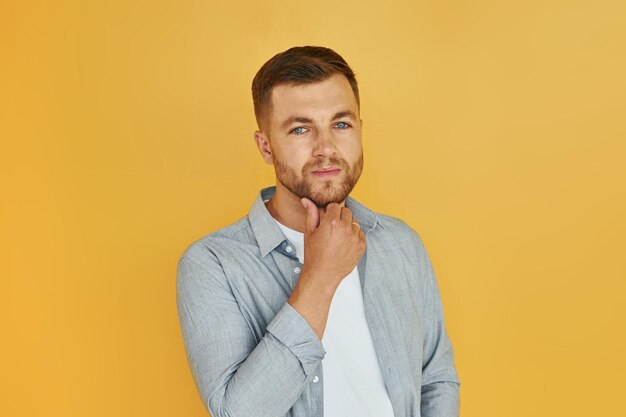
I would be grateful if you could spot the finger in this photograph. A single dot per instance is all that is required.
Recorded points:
(312, 215)
(333, 211)
(346, 215)
(322, 213)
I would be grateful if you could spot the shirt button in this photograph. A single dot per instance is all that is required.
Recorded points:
(288, 249)
(315, 379)
(296, 269)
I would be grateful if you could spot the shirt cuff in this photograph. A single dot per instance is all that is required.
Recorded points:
(292, 330)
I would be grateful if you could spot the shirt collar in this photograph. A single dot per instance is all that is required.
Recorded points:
(269, 235)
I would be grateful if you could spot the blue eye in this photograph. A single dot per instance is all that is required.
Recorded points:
(343, 125)
(298, 130)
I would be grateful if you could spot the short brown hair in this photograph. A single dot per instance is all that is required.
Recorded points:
(297, 65)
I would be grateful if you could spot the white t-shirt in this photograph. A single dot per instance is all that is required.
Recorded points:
(353, 383)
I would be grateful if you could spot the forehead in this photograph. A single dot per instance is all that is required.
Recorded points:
(325, 96)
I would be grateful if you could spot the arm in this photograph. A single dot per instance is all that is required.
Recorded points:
(333, 248)
(440, 381)
(235, 375)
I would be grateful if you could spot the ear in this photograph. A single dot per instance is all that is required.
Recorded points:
(265, 148)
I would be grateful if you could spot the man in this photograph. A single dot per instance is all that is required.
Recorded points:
(312, 304)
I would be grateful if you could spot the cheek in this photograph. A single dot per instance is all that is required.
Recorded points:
(298, 158)
(352, 151)
(294, 160)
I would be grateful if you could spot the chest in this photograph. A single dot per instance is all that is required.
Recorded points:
(388, 288)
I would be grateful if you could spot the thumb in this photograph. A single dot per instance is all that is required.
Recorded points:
(312, 215)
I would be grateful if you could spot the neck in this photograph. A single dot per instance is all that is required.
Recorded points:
(287, 209)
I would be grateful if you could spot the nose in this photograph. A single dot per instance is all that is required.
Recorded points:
(324, 144)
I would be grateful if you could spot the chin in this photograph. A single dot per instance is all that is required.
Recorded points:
(322, 199)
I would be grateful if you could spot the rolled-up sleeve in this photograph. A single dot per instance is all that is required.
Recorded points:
(440, 381)
(235, 374)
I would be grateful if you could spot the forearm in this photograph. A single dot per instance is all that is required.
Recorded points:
(273, 376)
(312, 297)
(440, 399)
(333, 247)
(237, 374)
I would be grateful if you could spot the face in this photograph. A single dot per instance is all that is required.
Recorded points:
(315, 144)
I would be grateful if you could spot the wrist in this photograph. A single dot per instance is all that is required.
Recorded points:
(311, 291)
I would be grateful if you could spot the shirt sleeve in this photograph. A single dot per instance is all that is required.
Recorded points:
(235, 374)
(440, 381)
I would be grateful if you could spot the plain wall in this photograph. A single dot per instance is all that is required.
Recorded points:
(494, 128)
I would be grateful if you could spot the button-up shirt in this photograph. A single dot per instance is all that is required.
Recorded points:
(252, 354)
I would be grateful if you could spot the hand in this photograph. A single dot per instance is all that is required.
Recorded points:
(333, 242)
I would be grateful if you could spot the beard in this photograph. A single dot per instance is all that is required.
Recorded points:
(321, 192)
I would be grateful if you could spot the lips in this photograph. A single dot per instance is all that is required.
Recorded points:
(327, 172)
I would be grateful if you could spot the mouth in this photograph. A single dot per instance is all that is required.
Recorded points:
(326, 172)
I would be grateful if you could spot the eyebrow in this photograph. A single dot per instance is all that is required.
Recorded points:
(299, 119)
(343, 114)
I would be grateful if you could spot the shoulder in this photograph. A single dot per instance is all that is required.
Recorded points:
(398, 229)
(208, 249)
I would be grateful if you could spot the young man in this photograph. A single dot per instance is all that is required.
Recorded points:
(312, 304)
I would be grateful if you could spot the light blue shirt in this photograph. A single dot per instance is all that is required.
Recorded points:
(252, 354)
(353, 383)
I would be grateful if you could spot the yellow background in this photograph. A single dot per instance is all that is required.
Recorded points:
(495, 128)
